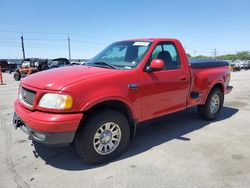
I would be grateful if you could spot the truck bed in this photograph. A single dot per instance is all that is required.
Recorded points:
(195, 64)
(204, 74)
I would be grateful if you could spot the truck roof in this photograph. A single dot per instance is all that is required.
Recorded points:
(152, 39)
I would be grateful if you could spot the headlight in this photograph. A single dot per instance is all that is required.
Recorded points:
(56, 101)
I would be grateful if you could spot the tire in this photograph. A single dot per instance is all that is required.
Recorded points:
(210, 110)
(17, 76)
(84, 141)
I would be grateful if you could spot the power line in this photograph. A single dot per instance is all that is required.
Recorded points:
(55, 33)
(45, 39)
(87, 42)
(32, 32)
(88, 36)
(54, 39)
(9, 39)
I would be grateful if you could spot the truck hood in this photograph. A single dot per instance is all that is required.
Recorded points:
(57, 79)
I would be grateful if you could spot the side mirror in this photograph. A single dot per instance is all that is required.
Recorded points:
(155, 65)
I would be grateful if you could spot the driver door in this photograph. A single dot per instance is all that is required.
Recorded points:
(164, 91)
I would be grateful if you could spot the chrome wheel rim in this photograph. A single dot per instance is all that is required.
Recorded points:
(214, 104)
(107, 138)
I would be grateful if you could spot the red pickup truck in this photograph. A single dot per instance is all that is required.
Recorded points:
(99, 105)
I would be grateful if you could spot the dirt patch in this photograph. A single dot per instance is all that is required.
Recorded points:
(237, 157)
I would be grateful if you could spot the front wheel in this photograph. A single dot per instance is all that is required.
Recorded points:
(103, 138)
(17, 76)
(211, 109)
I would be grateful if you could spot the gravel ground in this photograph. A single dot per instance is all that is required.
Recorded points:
(180, 151)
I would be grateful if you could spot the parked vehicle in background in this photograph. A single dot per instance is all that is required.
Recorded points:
(242, 64)
(30, 66)
(59, 62)
(7, 66)
(78, 62)
(235, 67)
(99, 105)
(248, 64)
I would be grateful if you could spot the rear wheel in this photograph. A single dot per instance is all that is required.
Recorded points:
(17, 76)
(211, 109)
(103, 138)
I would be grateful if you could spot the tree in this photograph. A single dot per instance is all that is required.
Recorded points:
(244, 55)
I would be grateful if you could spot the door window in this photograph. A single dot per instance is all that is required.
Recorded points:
(168, 53)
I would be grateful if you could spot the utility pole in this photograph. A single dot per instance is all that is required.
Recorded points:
(194, 53)
(215, 53)
(69, 48)
(23, 46)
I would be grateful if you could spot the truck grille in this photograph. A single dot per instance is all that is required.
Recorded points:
(27, 96)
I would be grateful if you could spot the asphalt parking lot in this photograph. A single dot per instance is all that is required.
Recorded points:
(180, 150)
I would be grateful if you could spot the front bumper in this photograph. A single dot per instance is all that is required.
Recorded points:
(47, 128)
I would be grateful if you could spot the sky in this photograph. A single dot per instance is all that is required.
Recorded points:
(91, 25)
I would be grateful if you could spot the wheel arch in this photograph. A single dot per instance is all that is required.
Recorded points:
(115, 105)
(218, 85)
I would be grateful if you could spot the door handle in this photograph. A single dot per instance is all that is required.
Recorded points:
(183, 78)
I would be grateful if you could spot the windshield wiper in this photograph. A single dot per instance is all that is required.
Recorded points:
(105, 64)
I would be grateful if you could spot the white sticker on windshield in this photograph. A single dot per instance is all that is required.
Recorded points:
(141, 43)
(127, 67)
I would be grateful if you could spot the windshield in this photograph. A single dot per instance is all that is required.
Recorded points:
(121, 55)
(56, 63)
(25, 64)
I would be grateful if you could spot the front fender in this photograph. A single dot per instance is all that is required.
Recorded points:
(132, 106)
